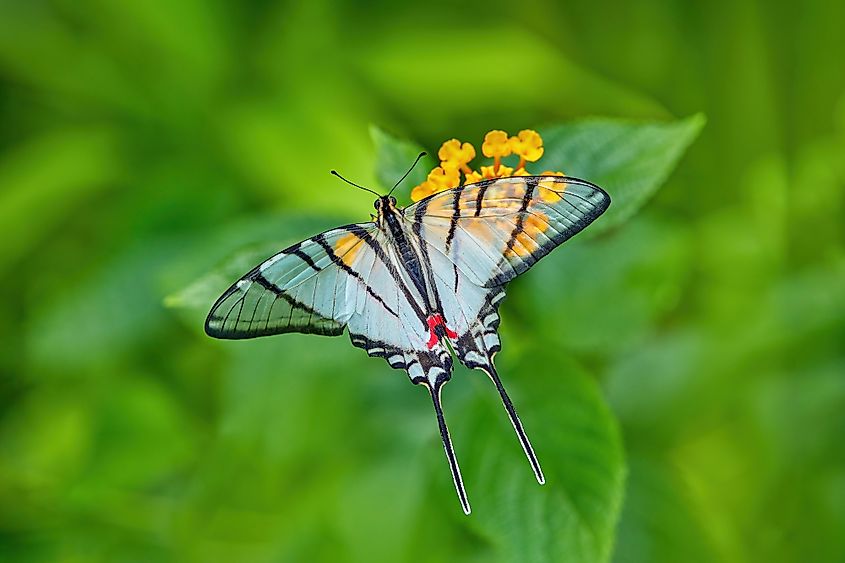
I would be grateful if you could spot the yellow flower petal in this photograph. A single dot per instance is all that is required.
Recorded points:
(550, 173)
(422, 191)
(496, 144)
(472, 177)
(444, 178)
(453, 154)
(527, 144)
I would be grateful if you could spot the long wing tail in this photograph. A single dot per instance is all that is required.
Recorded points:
(434, 391)
(517, 424)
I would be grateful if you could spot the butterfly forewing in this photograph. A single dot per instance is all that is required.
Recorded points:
(495, 230)
(303, 288)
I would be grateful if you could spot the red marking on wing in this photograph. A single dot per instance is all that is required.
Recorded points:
(433, 322)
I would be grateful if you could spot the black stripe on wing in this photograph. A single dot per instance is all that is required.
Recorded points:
(581, 203)
(370, 241)
(421, 365)
(280, 295)
(338, 261)
(519, 228)
(476, 347)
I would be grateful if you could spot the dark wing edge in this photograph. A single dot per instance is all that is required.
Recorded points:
(593, 201)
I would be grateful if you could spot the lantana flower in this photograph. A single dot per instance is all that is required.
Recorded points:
(440, 179)
(455, 157)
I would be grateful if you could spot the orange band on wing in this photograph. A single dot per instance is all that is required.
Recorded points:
(347, 247)
(550, 190)
(526, 241)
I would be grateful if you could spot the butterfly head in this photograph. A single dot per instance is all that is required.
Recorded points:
(384, 203)
(386, 209)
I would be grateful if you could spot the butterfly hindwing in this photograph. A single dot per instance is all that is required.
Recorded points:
(395, 327)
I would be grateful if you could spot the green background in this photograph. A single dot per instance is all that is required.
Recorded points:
(681, 373)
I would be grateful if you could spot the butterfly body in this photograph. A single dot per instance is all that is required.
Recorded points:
(417, 281)
(394, 227)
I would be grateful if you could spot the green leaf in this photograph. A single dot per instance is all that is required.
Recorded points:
(244, 245)
(205, 289)
(572, 517)
(394, 156)
(616, 288)
(630, 160)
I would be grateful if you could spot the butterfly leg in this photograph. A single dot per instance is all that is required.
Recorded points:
(517, 424)
(434, 391)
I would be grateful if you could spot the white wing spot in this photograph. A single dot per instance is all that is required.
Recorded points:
(270, 261)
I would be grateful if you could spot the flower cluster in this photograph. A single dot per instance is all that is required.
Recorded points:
(455, 157)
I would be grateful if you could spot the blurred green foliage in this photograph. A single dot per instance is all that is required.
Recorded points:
(144, 144)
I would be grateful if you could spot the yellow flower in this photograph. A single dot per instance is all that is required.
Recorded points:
(496, 144)
(456, 156)
(528, 145)
(439, 179)
(453, 154)
(550, 173)
(444, 178)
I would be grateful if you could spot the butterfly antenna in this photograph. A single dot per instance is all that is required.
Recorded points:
(354, 184)
(517, 424)
(419, 156)
(447, 445)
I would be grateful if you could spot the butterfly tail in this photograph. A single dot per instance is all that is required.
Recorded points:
(517, 424)
(434, 390)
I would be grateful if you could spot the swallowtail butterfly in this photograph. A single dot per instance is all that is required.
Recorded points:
(417, 281)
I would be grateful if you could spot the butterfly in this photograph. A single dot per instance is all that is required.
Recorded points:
(417, 281)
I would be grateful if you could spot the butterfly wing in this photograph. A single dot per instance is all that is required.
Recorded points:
(481, 236)
(303, 288)
(495, 230)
